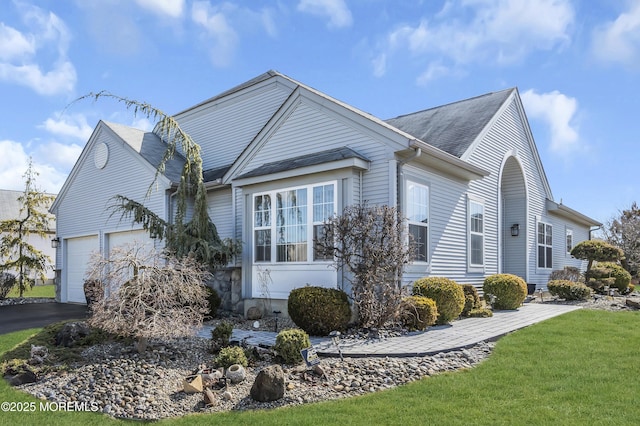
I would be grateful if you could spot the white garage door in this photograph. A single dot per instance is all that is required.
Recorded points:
(140, 237)
(78, 253)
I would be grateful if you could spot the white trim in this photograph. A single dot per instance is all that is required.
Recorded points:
(545, 245)
(273, 226)
(471, 267)
(427, 243)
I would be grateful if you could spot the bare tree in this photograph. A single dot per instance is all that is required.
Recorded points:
(148, 295)
(624, 232)
(370, 242)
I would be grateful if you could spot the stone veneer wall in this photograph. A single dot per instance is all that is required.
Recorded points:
(228, 283)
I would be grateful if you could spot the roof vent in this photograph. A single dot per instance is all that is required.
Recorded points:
(101, 155)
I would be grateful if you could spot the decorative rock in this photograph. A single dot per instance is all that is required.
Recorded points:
(254, 313)
(269, 384)
(72, 332)
(209, 398)
(38, 354)
(227, 395)
(236, 373)
(26, 376)
(319, 370)
(632, 303)
(192, 384)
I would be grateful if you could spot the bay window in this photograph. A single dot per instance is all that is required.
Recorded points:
(284, 216)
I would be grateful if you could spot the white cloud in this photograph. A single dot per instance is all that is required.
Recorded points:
(15, 163)
(73, 125)
(58, 156)
(336, 10)
(558, 112)
(619, 41)
(170, 8)
(434, 71)
(472, 31)
(214, 21)
(142, 124)
(14, 44)
(19, 61)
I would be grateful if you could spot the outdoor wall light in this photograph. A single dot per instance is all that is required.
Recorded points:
(55, 243)
(515, 230)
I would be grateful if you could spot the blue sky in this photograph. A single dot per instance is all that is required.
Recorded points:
(575, 63)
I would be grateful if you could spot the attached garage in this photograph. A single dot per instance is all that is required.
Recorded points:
(78, 254)
(116, 239)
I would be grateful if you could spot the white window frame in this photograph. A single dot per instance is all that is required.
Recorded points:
(471, 202)
(308, 222)
(568, 246)
(411, 217)
(547, 244)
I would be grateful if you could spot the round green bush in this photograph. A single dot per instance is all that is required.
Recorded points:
(448, 295)
(222, 332)
(319, 310)
(418, 312)
(289, 343)
(604, 270)
(231, 355)
(569, 290)
(471, 299)
(509, 291)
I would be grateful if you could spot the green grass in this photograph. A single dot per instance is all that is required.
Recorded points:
(36, 291)
(576, 369)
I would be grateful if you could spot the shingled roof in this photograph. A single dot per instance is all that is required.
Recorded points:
(304, 160)
(151, 148)
(452, 127)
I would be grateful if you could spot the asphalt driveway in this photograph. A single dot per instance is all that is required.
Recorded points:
(31, 315)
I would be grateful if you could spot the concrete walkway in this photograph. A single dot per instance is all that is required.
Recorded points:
(460, 334)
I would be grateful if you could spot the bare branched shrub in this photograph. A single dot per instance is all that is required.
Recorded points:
(370, 243)
(148, 295)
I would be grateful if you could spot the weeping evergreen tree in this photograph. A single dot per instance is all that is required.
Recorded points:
(197, 235)
(17, 254)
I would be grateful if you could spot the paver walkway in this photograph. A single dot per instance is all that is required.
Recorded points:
(460, 334)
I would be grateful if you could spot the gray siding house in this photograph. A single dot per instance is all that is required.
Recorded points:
(281, 157)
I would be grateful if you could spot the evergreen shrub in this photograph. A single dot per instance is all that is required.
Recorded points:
(569, 290)
(319, 310)
(289, 343)
(508, 290)
(418, 312)
(447, 294)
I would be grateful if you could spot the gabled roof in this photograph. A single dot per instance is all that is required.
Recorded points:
(150, 147)
(453, 127)
(304, 161)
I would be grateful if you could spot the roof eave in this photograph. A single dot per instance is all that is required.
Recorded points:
(448, 163)
(563, 211)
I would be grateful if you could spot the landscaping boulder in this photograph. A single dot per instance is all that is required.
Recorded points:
(269, 384)
(254, 313)
(635, 304)
(71, 333)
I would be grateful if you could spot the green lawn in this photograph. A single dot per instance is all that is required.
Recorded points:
(576, 369)
(36, 291)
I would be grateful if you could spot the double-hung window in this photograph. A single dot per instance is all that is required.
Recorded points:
(545, 245)
(418, 218)
(476, 233)
(282, 218)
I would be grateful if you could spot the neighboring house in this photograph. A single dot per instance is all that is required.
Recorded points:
(281, 157)
(10, 209)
